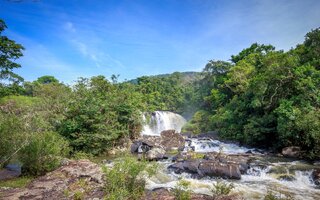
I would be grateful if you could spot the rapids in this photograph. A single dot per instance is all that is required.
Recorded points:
(255, 184)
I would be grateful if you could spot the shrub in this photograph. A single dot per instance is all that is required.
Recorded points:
(277, 196)
(222, 188)
(82, 155)
(181, 191)
(43, 153)
(126, 179)
(12, 134)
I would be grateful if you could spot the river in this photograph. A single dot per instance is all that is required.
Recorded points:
(270, 173)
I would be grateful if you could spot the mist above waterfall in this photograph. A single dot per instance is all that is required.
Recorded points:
(158, 121)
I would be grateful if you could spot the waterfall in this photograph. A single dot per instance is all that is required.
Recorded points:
(160, 121)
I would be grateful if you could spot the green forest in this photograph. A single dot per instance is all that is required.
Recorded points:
(261, 97)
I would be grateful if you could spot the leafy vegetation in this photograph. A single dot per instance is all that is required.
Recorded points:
(222, 188)
(126, 178)
(181, 191)
(95, 120)
(264, 97)
(9, 52)
(172, 92)
(43, 153)
(277, 196)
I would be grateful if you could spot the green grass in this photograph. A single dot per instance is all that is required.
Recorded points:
(19, 182)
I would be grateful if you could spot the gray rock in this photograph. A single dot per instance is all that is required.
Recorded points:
(171, 140)
(216, 169)
(207, 168)
(155, 153)
(54, 185)
(134, 146)
(292, 152)
(286, 177)
(316, 176)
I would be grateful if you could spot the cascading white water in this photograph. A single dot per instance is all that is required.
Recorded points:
(255, 184)
(162, 120)
(203, 145)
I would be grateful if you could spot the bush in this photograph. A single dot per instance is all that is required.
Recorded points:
(279, 196)
(126, 180)
(12, 134)
(222, 188)
(181, 191)
(43, 153)
(82, 155)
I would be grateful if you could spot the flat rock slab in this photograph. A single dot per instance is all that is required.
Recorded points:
(81, 176)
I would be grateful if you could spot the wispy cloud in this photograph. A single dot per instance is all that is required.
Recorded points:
(68, 26)
(89, 48)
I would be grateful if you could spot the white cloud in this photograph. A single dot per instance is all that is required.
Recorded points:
(85, 42)
(68, 26)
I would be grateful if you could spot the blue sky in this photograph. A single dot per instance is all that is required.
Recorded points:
(84, 38)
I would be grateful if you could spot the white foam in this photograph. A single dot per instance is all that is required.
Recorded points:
(162, 120)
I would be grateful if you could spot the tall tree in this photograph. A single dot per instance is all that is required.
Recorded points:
(47, 79)
(9, 52)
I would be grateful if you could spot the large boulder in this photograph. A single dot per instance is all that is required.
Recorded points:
(292, 152)
(156, 153)
(155, 147)
(216, 169)
(171, 140)
(207, 168)
(135, 146)
(189, 166)
(141, 146)
(152, 141)
(76, 177)
(242, 160)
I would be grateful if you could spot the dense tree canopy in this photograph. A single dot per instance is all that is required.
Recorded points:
(99, 114)
(265, 98)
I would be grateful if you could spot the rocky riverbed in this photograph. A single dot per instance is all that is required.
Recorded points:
(202, 161)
